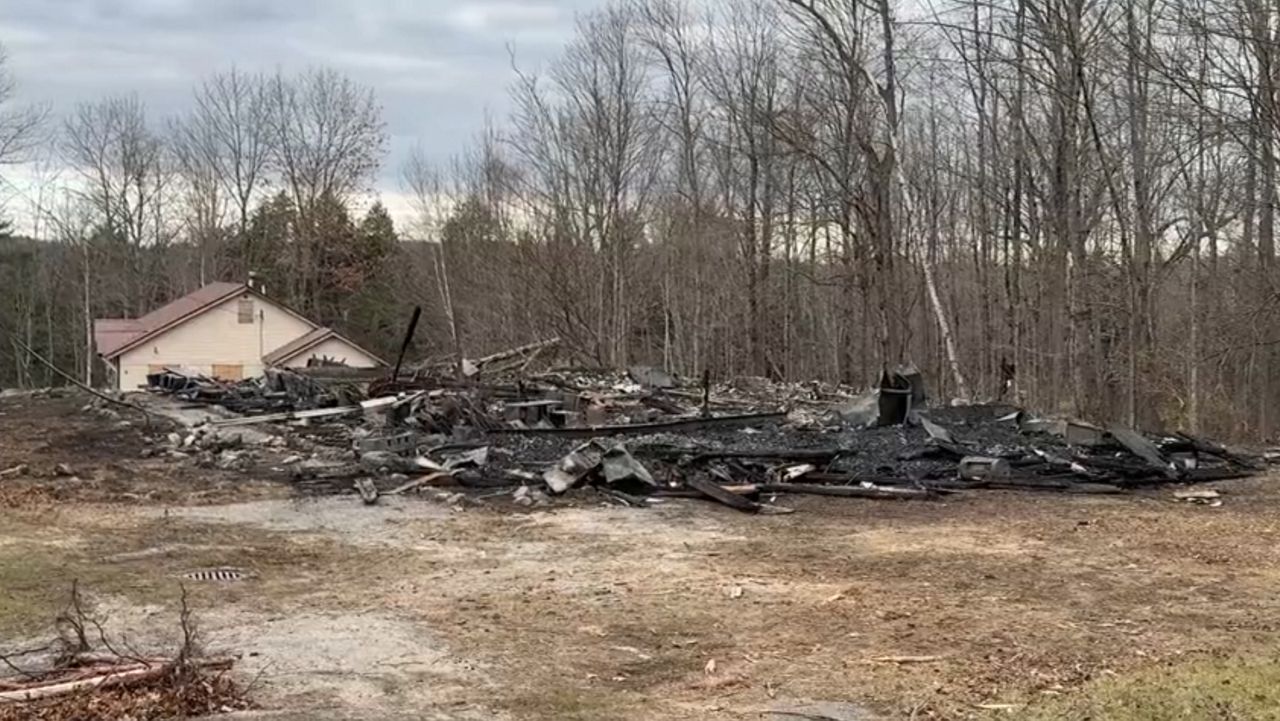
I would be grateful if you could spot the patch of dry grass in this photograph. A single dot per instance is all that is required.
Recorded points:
(142, 559)
(1222, 689)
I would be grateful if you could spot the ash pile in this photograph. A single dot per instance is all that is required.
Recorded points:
(503, 433)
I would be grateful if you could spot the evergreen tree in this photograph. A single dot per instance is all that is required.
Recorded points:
(377, 234)
(264, 246)
(375, 313)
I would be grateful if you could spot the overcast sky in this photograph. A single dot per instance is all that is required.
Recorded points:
(437, 65)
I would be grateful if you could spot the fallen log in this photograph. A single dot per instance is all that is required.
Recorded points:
(511, 353)
(74, 674)
(134, 674)
(877, 492)
(680, 425)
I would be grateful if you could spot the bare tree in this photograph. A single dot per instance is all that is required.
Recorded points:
(327, 141)
(223, 147)
(19, 126)
(124, 171)
(593, 145)
(434, 204)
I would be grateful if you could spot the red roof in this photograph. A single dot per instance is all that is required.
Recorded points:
(115, 335)
(112, 333)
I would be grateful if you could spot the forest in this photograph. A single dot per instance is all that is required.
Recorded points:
(1063, 204)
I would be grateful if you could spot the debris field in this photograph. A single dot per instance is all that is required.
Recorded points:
(643, 435)
(531, 573)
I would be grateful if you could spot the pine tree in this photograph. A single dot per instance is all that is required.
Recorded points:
(377, 234)
(375, 314)
(263, 247)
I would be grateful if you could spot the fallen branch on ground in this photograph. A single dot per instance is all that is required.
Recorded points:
(146, 415)
(83, 683)
(125, 675)
(906, 659)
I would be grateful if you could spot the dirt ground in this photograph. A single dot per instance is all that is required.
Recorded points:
(985, 605)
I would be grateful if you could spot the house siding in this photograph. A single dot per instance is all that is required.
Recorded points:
(215, 337)
(334, 349)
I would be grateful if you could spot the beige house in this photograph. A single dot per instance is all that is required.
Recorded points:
(224, 330)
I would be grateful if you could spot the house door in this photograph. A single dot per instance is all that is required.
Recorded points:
(228, 371)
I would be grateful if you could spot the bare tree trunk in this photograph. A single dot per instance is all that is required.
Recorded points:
(88, 318)
(898, 178)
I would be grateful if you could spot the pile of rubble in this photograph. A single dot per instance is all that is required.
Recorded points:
(275, 391)
(645, 434)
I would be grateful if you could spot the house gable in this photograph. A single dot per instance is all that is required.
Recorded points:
(187, 307)
(217, 335)
(321, 343)
(338, 349)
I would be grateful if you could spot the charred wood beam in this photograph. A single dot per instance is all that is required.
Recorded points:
(696, 455)
(408, 338)
(1188, 443)
(717, 493)
(1138, 445)
(1200, 475)
(876, 492)
(779, 454)
(1063, 483)
(684, 424)
(662, 404)
(744, 489)
(1121, 468)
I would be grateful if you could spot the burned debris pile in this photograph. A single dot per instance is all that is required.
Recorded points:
(642, 435)
(277, 390)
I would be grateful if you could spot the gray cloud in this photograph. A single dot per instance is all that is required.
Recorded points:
(438, 65)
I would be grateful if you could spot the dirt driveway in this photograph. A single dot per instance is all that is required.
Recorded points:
(991, 604)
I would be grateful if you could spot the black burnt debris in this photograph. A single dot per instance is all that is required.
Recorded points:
(644, 434)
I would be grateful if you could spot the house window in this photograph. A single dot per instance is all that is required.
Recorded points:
(228, 371)
(245, 310)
